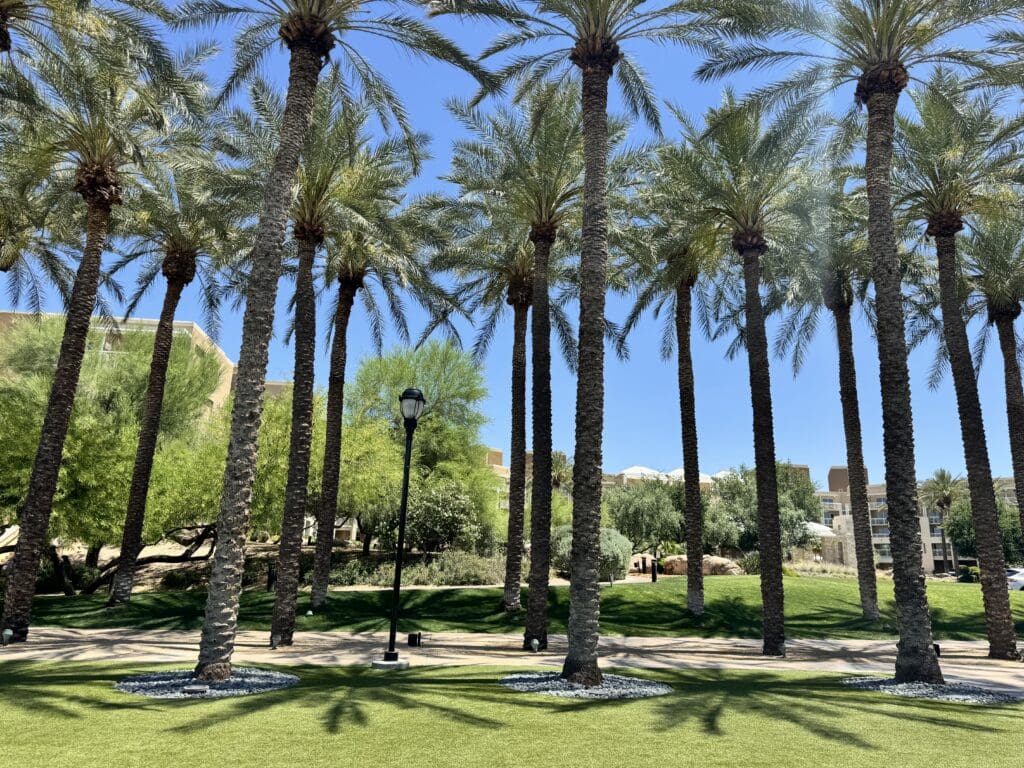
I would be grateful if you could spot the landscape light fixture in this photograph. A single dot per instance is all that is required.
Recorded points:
(411, 404)
(7, 635)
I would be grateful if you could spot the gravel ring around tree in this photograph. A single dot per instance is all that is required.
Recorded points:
(957, 693)
(244, 681)
(611, 687)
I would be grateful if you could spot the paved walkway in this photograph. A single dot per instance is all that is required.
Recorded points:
(961, 661)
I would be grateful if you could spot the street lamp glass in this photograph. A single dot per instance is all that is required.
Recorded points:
(412, 404)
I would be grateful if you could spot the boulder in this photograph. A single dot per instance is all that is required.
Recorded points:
(675, 565)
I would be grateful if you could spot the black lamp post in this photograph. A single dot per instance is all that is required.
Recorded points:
(411, 404)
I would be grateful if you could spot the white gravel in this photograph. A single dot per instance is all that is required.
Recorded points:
(959, 693)
(612, 686)
(172, 685)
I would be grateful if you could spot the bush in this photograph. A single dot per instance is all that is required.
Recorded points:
(616, 553)
(442, 516)
(969, 574)
(186, 578)
(454, 568)
(751, 562)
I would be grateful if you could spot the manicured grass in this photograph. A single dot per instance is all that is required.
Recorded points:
(70, 715)
(815, 608)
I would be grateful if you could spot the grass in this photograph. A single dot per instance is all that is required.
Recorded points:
(815, 608)
(68, 714)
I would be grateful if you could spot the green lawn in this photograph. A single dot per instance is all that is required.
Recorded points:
(58, 715)
(815, 608)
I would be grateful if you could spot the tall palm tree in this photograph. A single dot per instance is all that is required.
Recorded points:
(749, 174)
(383, 248)
(876, 45)
(310, 30)
(179, 230)
(954, 162)
(90, 118)
(586, 36)
(668, 277)
(831, 274)
(994, 256)
(528, 172)
(940, 492)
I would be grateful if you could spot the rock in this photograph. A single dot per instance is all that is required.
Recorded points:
(675, 565)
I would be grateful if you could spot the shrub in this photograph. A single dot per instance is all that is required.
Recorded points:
(186, 578)
(969, 574)
(442, 516)
(616, 552)
(751, 562)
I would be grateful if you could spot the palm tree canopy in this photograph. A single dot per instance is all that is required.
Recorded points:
(942, 489)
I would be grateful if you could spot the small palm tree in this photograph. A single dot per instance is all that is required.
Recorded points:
(91, 119)
(310, 30)
(750, 176)
(562, 37)
(180, 230)
(940, 492)
(668, 276)
(831, 273)
(994, 256)
(955, 162)
(876, 45)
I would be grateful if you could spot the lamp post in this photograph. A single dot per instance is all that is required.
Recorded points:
(411, 404)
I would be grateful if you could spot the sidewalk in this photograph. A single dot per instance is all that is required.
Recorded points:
(962, 661)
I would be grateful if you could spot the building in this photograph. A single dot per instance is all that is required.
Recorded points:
(837, 513)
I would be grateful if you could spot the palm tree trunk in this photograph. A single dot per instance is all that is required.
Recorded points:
(328, 512)
(225, 586)
(1014, 405)
(300, 439)
(769, 530)
(540, 493)
(693, 507)
(34, 520)
(517, 463)
(131, 538)
(584, 590)
(1002, 641)
(855, 465)
(915, 658)
(942, 535)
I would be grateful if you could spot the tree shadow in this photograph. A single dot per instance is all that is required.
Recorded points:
(342, 698)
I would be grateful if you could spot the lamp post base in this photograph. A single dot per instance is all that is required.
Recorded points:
(389, 664)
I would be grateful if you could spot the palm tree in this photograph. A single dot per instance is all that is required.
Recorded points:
(955, 162)
(940, 492)
(994, 256)
(750, 177)
(527, 172)
(90, 118)
(875, 44)
(592, 35)
(831, 273)
(378, 243)
(310, 30)
(668, 276)
(178, 230)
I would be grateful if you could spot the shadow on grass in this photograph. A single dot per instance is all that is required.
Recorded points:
(341, 698)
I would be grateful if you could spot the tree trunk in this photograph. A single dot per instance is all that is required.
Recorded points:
(915, 659)
(769, 531)
(693, 511)
(517, 462)
(855, 466)
(540, 495)
(34, 520)
(92, 555)
(328, 512)
(299, 444)
(942, 535)
(584, 590)
(225, 586)
(1002, 641)
(149, 430)
(61, 571)
(1014, 405)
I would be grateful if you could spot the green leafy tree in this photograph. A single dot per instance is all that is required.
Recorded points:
(644, 514)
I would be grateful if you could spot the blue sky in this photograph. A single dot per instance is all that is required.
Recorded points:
(642, 417)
